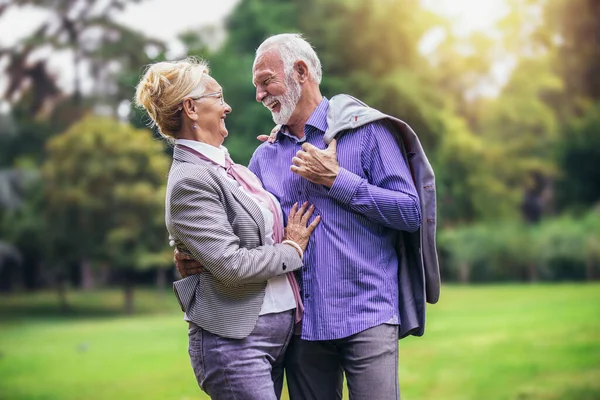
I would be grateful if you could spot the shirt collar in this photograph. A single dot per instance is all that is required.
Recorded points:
(318, 119)
(214, 154)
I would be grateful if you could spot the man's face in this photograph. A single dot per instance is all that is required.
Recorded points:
(280, 94)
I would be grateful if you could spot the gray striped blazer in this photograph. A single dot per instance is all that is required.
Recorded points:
(214, 221)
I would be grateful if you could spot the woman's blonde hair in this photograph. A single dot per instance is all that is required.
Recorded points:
(164, 86)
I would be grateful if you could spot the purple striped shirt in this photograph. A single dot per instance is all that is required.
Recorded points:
(350, 276)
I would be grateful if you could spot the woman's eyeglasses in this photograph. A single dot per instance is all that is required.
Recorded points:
(219, 95)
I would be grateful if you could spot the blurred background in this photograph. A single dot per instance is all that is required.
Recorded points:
(504, 95)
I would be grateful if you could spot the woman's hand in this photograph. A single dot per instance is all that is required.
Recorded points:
(271, 138)
(185, 264)
(297, 229)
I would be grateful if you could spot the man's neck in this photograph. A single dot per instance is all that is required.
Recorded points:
(296, 127)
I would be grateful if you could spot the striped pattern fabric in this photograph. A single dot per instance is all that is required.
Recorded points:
(418, 270)
(350, 276)
(212, 219)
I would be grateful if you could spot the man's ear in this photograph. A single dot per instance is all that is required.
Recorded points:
(302, 70)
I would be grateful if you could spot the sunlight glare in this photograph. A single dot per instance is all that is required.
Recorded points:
(468, 16)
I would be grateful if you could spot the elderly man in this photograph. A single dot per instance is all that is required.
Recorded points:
(371, 264)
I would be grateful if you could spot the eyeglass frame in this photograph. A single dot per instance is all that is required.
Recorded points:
(214, 94)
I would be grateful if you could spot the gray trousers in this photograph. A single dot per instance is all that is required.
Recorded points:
(242, 369)
(314, 369)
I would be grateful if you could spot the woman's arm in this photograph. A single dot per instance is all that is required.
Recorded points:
(199, 221)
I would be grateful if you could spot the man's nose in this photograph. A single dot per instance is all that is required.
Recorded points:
(260, 94)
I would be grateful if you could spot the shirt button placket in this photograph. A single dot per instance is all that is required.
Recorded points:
(301, 186)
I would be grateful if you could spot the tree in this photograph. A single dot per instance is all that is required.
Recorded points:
(557, 43)
(101, 49)
(85, 29)
(352, 40)
(470, 177)
(573, 26)
(104, 185)
(524, 128)
(365, 55)
(578, 155)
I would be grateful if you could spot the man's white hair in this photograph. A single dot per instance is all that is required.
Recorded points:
(292, 47)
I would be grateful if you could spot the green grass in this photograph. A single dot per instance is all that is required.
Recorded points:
(482, 342)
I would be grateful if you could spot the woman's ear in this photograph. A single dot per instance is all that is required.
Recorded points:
(190, 108)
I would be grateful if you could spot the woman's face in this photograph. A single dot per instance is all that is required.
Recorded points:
(211, 112)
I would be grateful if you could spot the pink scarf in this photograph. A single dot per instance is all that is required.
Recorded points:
(250, 182)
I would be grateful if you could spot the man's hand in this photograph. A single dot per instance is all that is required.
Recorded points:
(318, 166)
(186, 265)
(271, 137)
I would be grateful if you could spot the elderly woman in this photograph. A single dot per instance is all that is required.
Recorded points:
(242, 310)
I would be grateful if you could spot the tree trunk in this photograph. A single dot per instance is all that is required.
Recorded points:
(87, 275)
(589, 270)
(128, 293)
(63, 304)
(532, 272)
(464, 273)
(103, 274)
(76, 76)
(161, 281)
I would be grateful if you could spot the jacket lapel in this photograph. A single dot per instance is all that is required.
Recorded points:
(249, 205)
(182, 155)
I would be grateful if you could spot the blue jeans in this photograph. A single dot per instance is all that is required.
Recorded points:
(249, 368)
(315, 369)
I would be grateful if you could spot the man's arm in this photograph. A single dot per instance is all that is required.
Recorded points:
(254, 166)
(388, 195)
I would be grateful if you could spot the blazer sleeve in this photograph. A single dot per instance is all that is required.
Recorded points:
(199, 221)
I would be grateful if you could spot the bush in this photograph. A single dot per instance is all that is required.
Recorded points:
(564, 248)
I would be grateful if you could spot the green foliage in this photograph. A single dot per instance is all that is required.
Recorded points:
(99, 45)
(521, 129)
(252, 21)
(105, 183)
(23, 225)
(379, 62)
(537, 140)
(575, 23)
(556, 81)
(249, 24)
(357, 36)
(560, 248)
(488, 154)
(578, 157)
(352, 40)
(470, 176)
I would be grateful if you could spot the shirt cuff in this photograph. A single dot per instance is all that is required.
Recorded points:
(345, 186)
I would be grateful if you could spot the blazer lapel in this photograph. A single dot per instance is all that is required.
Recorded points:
(249, 205)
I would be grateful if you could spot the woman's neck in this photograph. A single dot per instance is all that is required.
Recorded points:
(196, 135)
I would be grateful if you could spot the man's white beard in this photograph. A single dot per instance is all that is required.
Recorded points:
(287, 102)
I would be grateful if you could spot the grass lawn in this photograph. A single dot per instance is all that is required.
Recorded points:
(482, 342)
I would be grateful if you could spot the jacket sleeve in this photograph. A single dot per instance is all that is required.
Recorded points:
(199, 222)
(388, 194)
